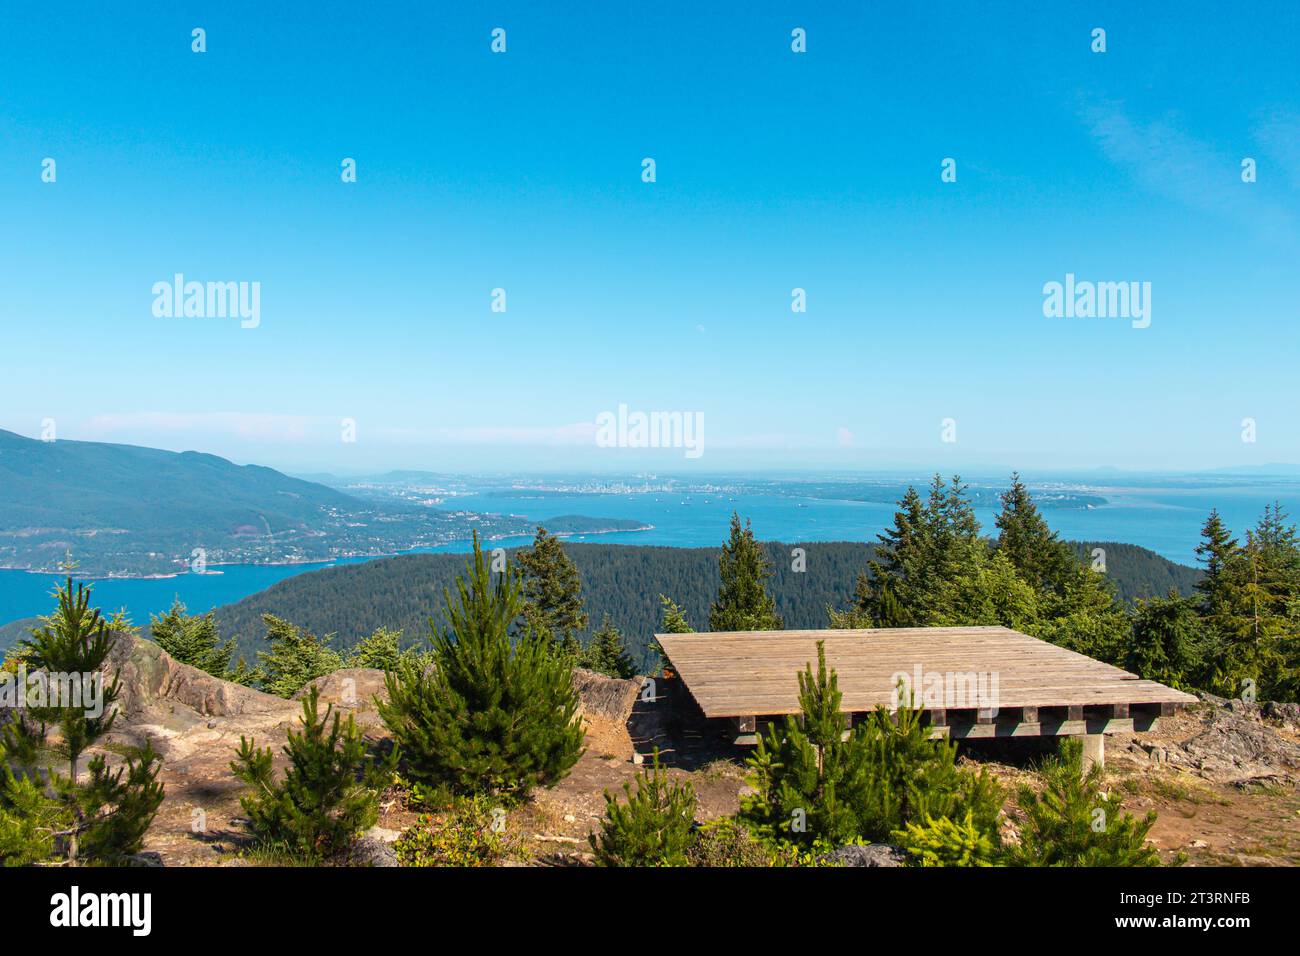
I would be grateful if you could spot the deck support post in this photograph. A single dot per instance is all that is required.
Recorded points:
(1094, 751)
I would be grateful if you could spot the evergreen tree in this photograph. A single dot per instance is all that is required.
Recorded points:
(743, 603)
(1072, 823)
(674, 620)
(933, 545)
(1251, 607)
(552, 592)
(296, 658)
(491, 715)
(103, 814)
(812, 785)
(945, 842)
(652, 827)
(1217, 551)
(382, 650)
(330, 791)
(607, 653)
(74, 642)
(195, 640)
(900, 563)
(1167, 641)
(1032, 547)
(808, 781)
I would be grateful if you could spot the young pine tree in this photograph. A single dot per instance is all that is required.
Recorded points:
(945, 842)
(195, 640)
(104, 813)
(1070, 823)
(651, 827)
(552, 592)
(743, 603)
(813, 786)
(809, 782)
(382, 650)
(330, 791)
(490, 714)
(296, 657)
(606, 653)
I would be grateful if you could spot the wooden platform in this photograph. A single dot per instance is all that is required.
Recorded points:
(1036, 688)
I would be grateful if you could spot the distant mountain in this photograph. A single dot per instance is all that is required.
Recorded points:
(97, 499)
(131, 511)
(78, 484)
(15, 631)
(623, 581)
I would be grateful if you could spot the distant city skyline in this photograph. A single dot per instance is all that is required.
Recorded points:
(1159, 174)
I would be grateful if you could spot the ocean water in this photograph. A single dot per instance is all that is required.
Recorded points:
(1164, 515)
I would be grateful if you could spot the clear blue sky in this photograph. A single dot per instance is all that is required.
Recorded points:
(775, 170)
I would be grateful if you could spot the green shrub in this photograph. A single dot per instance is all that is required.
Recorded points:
(330, 791)
(29, 817)
(296, 658)
(471, 833)
(1071, 823)
(651, 827)
(118, 805)
(727, 842)
(814, 786)
(382, 651)
(944, 842)
(195, 639)
(488, 713)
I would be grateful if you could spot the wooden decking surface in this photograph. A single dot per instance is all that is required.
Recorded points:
(754, 673)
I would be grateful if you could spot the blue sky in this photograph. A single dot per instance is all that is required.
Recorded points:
(775, 170)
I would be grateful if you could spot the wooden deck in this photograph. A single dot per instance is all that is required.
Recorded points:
(1025, 687)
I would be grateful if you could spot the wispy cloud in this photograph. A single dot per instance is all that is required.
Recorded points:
(273, 428)
(1167, 160)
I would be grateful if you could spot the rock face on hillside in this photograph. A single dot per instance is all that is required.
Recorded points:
(608, 698)
(1239, 744)
(149, 678)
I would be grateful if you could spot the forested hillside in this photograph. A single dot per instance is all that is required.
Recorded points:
(623, 581)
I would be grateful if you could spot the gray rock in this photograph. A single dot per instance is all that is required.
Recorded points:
(371, 851)
(876, 854)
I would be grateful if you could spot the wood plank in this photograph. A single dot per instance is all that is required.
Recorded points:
(745, 674)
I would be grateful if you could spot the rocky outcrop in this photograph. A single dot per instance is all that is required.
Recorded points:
(349, 687)
(875, 854)
(607, 698)
(1236, 745)
(148, 678)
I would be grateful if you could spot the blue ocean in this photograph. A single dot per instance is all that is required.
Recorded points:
(1162, 514)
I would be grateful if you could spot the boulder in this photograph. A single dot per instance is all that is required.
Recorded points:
(149, 677)
(875, 854)
(610, 698)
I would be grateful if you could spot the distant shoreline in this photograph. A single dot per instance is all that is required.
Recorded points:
(293, 562)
